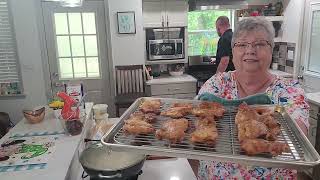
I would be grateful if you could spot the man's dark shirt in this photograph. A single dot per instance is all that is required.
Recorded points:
(224, 49)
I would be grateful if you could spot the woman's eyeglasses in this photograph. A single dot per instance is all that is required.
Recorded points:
(256, 44)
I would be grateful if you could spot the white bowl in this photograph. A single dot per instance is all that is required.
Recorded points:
(175, 73)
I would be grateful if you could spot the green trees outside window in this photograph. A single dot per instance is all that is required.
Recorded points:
(202, 35)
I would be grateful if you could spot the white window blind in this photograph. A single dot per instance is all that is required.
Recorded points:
(9, 71)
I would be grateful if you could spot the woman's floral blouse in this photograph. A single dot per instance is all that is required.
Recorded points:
(284, 92)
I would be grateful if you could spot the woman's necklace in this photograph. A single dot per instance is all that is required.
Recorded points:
(244, 92)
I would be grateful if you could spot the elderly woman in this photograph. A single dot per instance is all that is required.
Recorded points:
(252, 46)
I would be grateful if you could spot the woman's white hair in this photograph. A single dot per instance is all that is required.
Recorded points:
(254, 24)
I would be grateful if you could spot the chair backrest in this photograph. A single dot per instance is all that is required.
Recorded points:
(130, 79)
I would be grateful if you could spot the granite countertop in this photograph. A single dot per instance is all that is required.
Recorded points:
(281, 73)
(166, 79)
(314, 98)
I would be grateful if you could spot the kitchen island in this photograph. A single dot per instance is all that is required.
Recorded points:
(61, 162)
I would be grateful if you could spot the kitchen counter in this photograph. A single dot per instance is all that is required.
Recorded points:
(166, 79)
(281, 73)
(313, 98)
(59, 161)
(167, 169)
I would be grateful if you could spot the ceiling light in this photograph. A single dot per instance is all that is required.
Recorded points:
(71, 3)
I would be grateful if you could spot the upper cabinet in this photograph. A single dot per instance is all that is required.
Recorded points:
(165, 13)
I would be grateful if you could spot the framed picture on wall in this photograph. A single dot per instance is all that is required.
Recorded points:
(126, 22)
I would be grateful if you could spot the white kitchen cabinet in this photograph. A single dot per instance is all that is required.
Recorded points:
(177, 13)
(152, 14)
(312, 131)
(165, 13)
(182, 87)
(314, 103)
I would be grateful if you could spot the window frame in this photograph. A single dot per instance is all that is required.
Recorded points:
(232, 16)
(54, 39)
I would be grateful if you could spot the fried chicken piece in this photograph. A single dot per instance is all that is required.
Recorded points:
(273, 126)
(136, 126)
(209, 109)
(151, 106)
(186, 105)
(251, 130)
(263, 111)
(178, 110)
(217, 107)
(273, 133)
(206, 131)
(173, 130)
(258, 146)
(205, 121)
(269, 120)
(245, 113)
(148, 117)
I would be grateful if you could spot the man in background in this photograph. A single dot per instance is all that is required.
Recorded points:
(224, 51)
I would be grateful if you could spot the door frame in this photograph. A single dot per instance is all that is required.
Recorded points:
(305, 43)
(44, 54)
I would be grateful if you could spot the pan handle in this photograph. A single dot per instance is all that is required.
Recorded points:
(118, 175)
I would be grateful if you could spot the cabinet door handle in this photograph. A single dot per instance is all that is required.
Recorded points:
(313, 131)
(162, 21)
(167, 21)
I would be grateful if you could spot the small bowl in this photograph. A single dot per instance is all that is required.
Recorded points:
(175, 73)
(34, 116)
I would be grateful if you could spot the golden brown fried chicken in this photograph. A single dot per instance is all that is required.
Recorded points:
(178, 110)
(245, 113)
(206, 131)
(273, 133)
(151, 106)
(258, 146)
(173, 130)
(217, 107)
(263, 111)
(205, 121)
(209, 109)
(251, 130)
(136, 126)
(186, 105)
(148, 117)
(269, 120)
(273, 126)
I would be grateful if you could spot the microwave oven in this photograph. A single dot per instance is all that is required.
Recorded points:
(165, 49)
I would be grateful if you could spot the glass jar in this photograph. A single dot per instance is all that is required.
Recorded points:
(72, 126)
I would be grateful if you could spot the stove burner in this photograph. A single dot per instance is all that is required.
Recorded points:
(135, 177)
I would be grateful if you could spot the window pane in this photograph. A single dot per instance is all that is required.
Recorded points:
(61, 23)
(202, 33)
(75, 23)
(314, 64)
(91, 45)
(77, 46)
(63, 46)
(89, 23)
(79, 65)
(65, 68)
(93, 67)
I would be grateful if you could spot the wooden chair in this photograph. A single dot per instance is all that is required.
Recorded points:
(130, 85)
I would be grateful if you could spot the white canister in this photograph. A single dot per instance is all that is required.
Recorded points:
(275, 66)
(100, 109)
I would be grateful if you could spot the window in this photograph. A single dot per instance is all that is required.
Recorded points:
(10, 81)
(77, 46)
(202, 35)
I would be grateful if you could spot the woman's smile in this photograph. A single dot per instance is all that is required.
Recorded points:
(251, 60)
